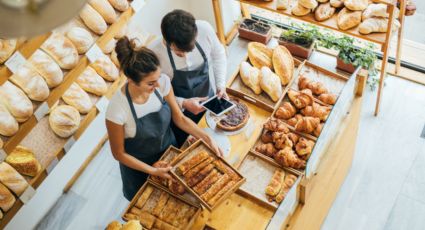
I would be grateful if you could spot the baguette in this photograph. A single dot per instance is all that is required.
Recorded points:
(8, 124)
(81, 38)
(109, 47)
(200, 176)
(76, 97)
(31, 82)
(93, 20)
(47, 68)
(226, 170)
(7, 47)
(106, 68)
(105, 10)
(283, 64)
(192, 172)
(192, 162)
(61, 49)
(207, 182)
(163, 199)
(216, 187)
(16, 102)
(251, 77)
(12, 179)
(91, 82)
(144, 197)
(220, 193)
(6, 198)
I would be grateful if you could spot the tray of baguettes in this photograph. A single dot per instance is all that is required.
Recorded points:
(205, 175)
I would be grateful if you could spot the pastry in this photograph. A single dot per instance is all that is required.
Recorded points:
(192, 181)
(317, 88)
(12, 179)
(216, 187)
(132, 225)
(171, 215)
(288, 158)
(337, 3)
(206, 183)
(281, 140)
(267, 149)
(91, 82)
(301, 99)
(131, 216)
(293, 121)
(220, 193)
(267, 136)
(135, 211)
(373, 25)
(7, 47)
(8, 124)
(64, 120)
(109, 47)
(304, 147)
(192, 162)
(356, 4)
(47, 68)
(120, 5)
(316, 110)
(24, 161)
(275, 183)
(160, 180)
(106, 69)
(93, 20)
(289, 181)
(114, 225)
(105, 10)
(322, 1)
(81, 38)
(282, 4)
(375, 10)
(236, 118)
(61, 50)
(285, 111)
(271, 83)
(276, 125)
(168, 209)
(144, 197)
(30, 81)
(307, 124)
(309, 4)
(78, 98)
(159, 224)
(251, 77)
(195, 170)
(147, 219)
(16, 102)
(176, 187)
(324, 12)
(179, 219)
(318, 130)
(293, 137)
(348, 19)
(299, 10)
(6, 198)
(328, 98)
(283, 64)
(260, 55)
(223, 168)
(162, 201)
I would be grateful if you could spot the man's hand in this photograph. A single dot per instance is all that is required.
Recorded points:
(221, 93)
(193, 105)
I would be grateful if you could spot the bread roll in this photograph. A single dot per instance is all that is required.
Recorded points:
(64, 120)
(93, 20)
(309, 4)
(260, 55)
(81, 38)
(299, 10)
(375, 10)
(110, 46)
(348, 19)
(373, 25)
(337, 3)
(132, 225)
(283, 64)
(47, 68)
(61, 50)
(6, 198)
(356, 4)
(105, 10)
(16, 102)
(271, 84)
(12, 179)
(324, 12)
(8, 125)
(120, 5)
(7, 47)
(114, 225)
(91, 82)
(24, 161)
(30, 81)
(78, 98)
(250, 77)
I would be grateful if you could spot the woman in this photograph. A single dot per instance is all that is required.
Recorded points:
(139, 116)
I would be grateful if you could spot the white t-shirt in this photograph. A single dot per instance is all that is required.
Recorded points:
(119, 111)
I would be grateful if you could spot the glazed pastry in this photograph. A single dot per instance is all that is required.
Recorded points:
(375, 10)
(337, 3)
(207, 182)
(163, 199)
(91, 82)
(250, 77)
(286, 111)
(64, 120)
(31, 82)
(47, 68)
(8, 124)
(304, 147)
(299, 10)
(267, 149)
(144, 197)
(316, 110)
(7, 47)
(24, 161)
(293, 137)
(216, 187)
(348, 19)
(78, 98)
(61, 49)
(267, 136)
(223, 168)
(271, 84)
(307, 124)
(328, 98)
(195, 170)
(192, 181)
(176, 187)
(318, 130)
(260, 55)
(356, 4)
(316, 88)
(221, 192)
(16, 102)
(192, 162)
(288, 158)
(281, 140)
(12, 179)
(283, 64)
(373, 25)
(81, 38)
(293, 121)
(275, 183)
(309, 4)
(324, 12)
(301, 99)
(276, 125)
(288, 183)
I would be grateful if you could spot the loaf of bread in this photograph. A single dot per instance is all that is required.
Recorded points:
(16, 102)
(120, 5)
(8, 124)
(356, 4)
(104, 8)
(64, 120)
(61, 50)
(91, 82)
(283, 64)
(7, 47)
(12, 179)
(375, 10)
(299, 10)
(309, 4)
(78, 98)
(324, 12)
(6, 198)
(93, 20)
(373, 25)
(109, 47)
(260, 55)
(348, 19)
(47, 68)
(250, 77)
(24, 161)
(271, 84)
(132, 225)
(30, 81)
(337, 3)
(105, 68)
(114, 58)
(81, 38)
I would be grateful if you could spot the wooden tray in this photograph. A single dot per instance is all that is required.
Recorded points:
(153, 198)
(258, 170)
(194, 149)
(237, 88)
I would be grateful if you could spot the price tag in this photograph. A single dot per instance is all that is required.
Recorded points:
(27, 195)
(102, 104)
(15, 61)
(137, 5)
(94, 53)
(68, 145)
(41, 111)
(52, 165)
(3, 155)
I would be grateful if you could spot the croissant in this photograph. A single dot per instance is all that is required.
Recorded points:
(286, 111)
(328, 98)
(276, 125)
(307, 124)
(267, 136)
(318, 130)
(293, 121)
(281, 140)
(316, 110)
(316, 88)
(303, 82)
(301, 99)
(293, 137)
(304, 147)
(266, 149)
(288, 158)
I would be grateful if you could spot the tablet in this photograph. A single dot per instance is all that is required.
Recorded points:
(218, 106)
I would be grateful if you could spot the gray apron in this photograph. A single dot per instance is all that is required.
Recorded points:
(153, 137)
(188, 84)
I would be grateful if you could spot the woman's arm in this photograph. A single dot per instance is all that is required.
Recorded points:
(116, 141)
(188, 125)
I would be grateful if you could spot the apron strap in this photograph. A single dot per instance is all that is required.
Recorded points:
(201, 51)
(130, 102)
(170, 55)
(161, 99)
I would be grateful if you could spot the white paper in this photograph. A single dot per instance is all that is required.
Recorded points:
(68, 145)
(3, 155)
(249, 130)
(94, 53)
(102, 104)
(52, 165)
(27, 195)
(15, 61)
(137, 5)
(41, 111)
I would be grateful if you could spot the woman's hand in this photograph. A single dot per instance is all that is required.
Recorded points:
(162, 172)
(217, 150)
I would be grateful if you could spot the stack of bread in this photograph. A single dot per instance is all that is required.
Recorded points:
(279, 186)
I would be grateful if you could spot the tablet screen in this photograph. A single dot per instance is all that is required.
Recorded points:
(217, 106)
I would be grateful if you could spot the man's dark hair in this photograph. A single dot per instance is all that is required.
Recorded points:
(179, 27)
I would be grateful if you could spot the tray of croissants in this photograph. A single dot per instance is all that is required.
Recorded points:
(205, 175)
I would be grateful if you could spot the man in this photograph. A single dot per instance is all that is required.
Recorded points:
(188, 51)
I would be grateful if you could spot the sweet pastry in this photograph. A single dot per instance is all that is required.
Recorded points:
(348, 19)
(106, 69)
(318, 130)
(267, 149)
(6, 198)
(168, 209)
(7, 47)
(316, 88)
(91, 82)
(207, 182)
(324, 12)
(93, 20)
(105, 10)
(114, 225)
(304, 147)
(114, 58)
(267, 136)
(293, 137)
(109, 47)
(47, 68)
(159, 224)
(132, 225)
(144, 197)
(223, 168)
(251, 77)
(293, 121)
(147, 219)
(16, 102)
(61, 50)
(195, 179)
(176, 187)
(195, 170)
(236, 118)
(8, 124)
(160, 180)
(288, 182)
(221, 192)
(356, 4)
(163, 199)
(24, 161)
(192, 162)
(64, 120)
(375, 10)
(78, 98)
(322, 1)
(12, 179)
(328, 98)
(299, 10)
(281, 140)
(276, 125)
(285, 111)
(216, 187)
(373, 25)
(337, 3)
(282, 4)
(309, 4)
(120, 5)
(30, 81)
(307, 124)
(316, 110)
(300, 99)
(260, 55)
(283, 64)
(288, 158)
(81, 38)
(271, 84)
(275, 183)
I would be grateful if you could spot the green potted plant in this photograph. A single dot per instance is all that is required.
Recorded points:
(255, 30)
(299, 42)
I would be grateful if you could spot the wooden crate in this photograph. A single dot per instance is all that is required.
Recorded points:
(194, 149)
